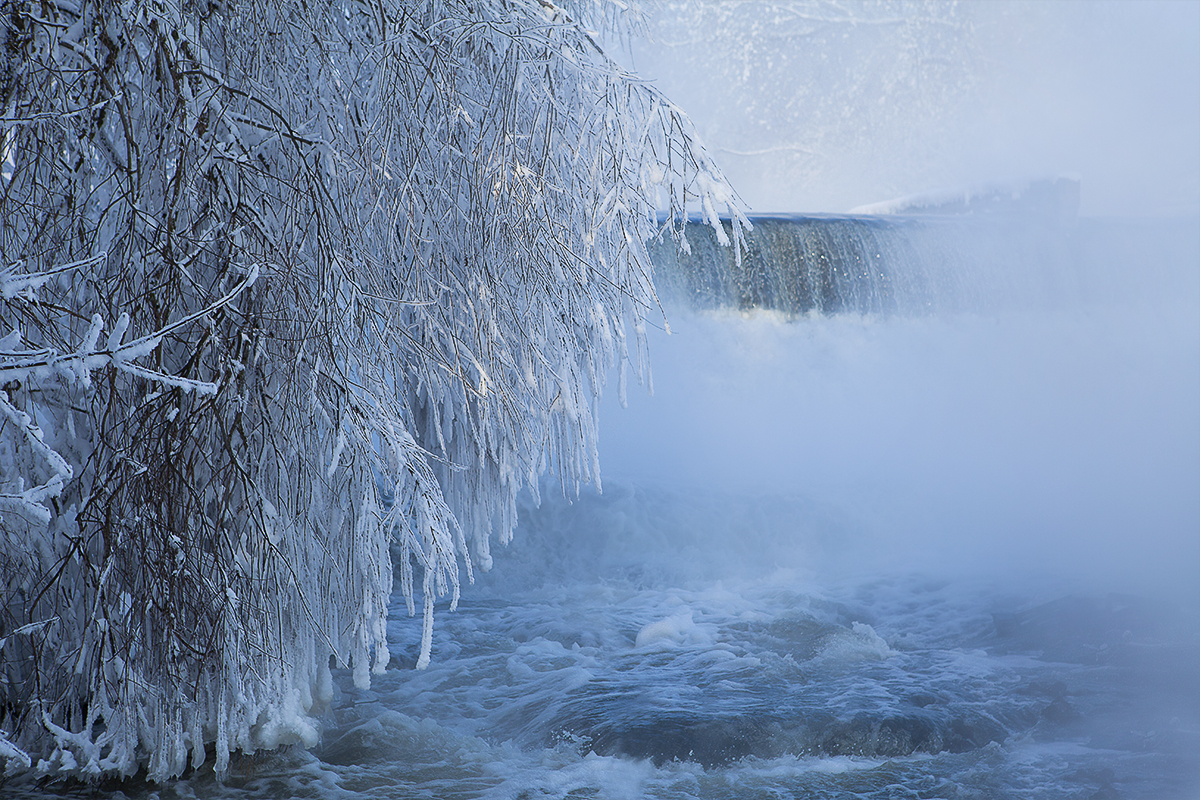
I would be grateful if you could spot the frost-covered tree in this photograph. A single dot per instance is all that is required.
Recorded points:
(291, 290)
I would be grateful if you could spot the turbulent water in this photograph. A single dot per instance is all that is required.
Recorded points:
(925, 552)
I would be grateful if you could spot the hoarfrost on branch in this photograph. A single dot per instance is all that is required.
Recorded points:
(363, 269)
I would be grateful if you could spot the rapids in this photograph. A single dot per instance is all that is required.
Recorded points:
(922, 552)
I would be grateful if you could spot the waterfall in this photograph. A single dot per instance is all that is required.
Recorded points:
(828, 264)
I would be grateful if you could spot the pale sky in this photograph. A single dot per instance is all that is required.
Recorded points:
(816, 106)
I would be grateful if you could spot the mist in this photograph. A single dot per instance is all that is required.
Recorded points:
(1045, 443)
(1057, 447)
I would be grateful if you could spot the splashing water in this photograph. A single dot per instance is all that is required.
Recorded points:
(858, 555)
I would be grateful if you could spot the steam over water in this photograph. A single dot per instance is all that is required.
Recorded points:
(858, 555)
(881, 554)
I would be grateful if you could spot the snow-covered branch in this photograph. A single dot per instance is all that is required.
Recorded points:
(23, 365)
(446, 205)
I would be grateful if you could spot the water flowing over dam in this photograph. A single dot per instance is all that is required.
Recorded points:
(947, 255)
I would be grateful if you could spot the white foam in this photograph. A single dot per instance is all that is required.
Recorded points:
(679, 630)
(860, 643)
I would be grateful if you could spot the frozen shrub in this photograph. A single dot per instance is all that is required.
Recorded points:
(288, 286)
